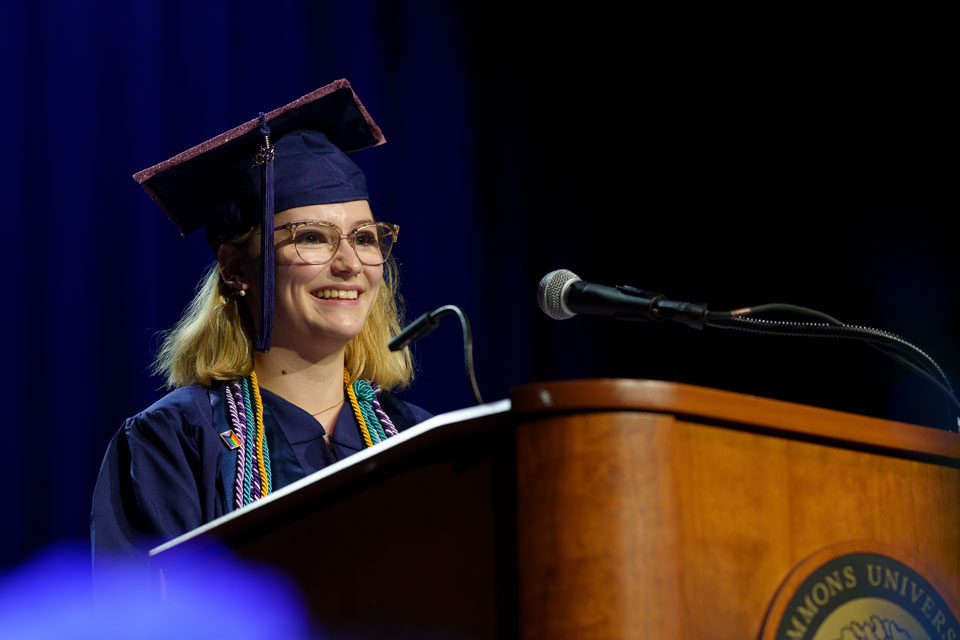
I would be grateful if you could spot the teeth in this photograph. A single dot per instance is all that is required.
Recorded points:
(335, 293)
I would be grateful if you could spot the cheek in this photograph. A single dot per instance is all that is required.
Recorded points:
(374, 275)
(295, 277)
(374, 280)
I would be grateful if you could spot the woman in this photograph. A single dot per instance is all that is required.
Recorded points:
(280, 364)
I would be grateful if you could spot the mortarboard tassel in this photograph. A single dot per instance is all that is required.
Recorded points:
(264, 159)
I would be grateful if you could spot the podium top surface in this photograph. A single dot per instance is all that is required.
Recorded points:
(394, 451)
(737, 410)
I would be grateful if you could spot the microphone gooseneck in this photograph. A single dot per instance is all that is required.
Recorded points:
(561, 294)
(426, 323)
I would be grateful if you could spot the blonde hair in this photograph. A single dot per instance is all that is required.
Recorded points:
(214, 338)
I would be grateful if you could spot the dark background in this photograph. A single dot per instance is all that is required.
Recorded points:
(729, 158)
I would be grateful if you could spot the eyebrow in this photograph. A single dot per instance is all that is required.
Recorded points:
(355, 225)
(358, 223)
(362, 222)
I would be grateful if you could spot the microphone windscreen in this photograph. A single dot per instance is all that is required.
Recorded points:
(550, 293)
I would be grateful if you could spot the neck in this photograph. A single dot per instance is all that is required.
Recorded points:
(312, 385)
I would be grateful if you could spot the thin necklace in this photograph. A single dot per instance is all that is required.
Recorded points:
(328, 408)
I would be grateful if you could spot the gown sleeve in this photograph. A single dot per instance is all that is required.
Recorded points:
(158, 478)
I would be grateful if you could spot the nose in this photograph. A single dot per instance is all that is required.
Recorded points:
(345, 262)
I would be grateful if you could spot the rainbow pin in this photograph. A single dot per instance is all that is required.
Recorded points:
(231, 439)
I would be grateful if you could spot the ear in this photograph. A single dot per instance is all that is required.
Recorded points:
(233, 266)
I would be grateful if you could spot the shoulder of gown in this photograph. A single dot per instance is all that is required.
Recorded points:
(158, 477)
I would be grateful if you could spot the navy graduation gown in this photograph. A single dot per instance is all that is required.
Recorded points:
(167, 470)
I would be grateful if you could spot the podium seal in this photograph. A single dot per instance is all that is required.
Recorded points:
(860, 592)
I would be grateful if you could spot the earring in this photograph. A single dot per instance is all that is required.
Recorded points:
(237, 290)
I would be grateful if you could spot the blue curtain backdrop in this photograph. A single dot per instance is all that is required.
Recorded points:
(811, 160)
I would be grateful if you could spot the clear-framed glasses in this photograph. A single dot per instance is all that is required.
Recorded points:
(317, 242)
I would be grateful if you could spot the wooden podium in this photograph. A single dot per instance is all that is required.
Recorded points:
(597, 509)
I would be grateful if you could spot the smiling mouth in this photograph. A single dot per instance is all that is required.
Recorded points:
(339, 294)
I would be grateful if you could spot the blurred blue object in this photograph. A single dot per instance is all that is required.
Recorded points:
(52, 596)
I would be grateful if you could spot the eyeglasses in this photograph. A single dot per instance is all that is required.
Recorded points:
(317, 242)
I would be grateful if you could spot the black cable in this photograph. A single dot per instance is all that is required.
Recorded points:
(696, 315)
(875, 337)
(887, 339)
(891, 345)
(467, 347)
(779, 306)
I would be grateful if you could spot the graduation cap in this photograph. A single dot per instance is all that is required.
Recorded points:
(290, 157)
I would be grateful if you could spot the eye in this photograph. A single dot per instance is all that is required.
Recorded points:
(309, 238)
(315, 235)
(365, 237)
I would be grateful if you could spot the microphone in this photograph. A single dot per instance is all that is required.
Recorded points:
(561, 294)
(426, 323)
(414, 331)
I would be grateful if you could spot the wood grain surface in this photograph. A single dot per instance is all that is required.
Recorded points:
(656, 523)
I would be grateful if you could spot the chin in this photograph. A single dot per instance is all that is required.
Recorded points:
(339, 333)
(329, 327)
(340, 338)
(324, 336)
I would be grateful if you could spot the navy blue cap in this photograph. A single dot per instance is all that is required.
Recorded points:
(307, 169)
(293, 156)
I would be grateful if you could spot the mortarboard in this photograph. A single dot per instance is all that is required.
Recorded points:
(290, 157)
